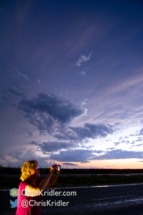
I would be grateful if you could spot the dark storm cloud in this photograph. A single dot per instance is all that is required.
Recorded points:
(67, 134)
(78, 134)
(52, 146)
(48, 111)
(70, 164)
(119, 154)
(87, 155)
(16, 92)
(78, 155)
(92, 130)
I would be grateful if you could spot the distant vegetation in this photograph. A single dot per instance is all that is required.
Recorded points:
(7, 180)
(11, 170)
(69, 181)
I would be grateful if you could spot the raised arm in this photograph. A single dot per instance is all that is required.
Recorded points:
(44, 183)
(32, 191)
(53, 179)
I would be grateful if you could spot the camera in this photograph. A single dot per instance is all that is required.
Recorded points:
(58, 167)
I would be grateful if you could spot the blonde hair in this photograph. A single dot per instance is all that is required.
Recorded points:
(26, 167)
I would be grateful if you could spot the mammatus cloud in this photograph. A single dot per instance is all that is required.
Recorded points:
(73, 137)
(92, 131)
(78, 134)
(83, 58)
(48, 112)
(87, 131)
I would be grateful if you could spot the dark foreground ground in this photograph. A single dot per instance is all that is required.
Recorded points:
(104, 200)
(8, 181)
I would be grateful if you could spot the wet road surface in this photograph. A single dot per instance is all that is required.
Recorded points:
(100, 200)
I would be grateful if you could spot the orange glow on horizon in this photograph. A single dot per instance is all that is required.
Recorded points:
(108, 164)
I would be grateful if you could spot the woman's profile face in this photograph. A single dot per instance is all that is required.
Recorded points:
(37, 171)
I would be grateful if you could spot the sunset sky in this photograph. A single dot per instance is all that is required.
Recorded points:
(71, 83)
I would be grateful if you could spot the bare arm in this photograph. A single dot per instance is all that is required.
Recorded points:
(32, 191)
(53, 179)
(44, 183)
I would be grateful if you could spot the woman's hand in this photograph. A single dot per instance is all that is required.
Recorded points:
(58, 168)
(53, 168)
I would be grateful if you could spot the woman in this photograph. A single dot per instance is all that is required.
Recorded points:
(28, 191)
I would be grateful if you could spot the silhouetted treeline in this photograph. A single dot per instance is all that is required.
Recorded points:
(12, 170)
